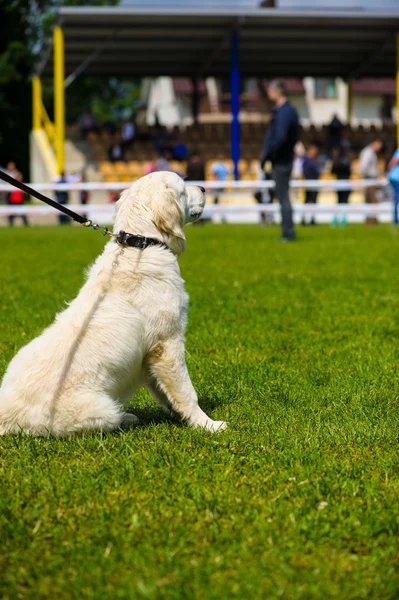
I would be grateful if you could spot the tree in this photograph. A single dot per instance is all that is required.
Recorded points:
(16, 64)
(23, 25)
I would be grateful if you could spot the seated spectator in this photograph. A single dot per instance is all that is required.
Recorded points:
(84, 195)
(311, 170)
(264, 195)
(109, 127)
(88, 124)
(195, 167)
(341, 168)
(163, 140)
(369, 167)
(16, 198)
(127, 134)
(220, 171)
(113, 197)
(163, 162)
(180, 151)
(115, 153)
(12, 170)
(335, 129)
(62, 196)
(297, 167)
(393, 177)
(150, 167)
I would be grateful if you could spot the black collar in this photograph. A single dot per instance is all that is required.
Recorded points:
(138, 241)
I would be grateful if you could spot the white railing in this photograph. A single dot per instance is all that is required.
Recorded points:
(235, 211)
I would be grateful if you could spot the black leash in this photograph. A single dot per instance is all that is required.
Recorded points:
(28, 190)
(124, 238)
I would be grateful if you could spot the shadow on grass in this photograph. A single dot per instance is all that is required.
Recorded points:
(152, 416)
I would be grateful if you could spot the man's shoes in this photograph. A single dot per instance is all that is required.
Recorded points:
(284, 240)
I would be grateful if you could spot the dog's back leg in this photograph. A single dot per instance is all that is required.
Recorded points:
(86, 410)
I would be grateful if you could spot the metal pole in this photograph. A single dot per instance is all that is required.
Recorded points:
(36, 103)
(195, 100)
(59, 98)
(349, 101)
(235, 101)
(397, 90)
(396, 190)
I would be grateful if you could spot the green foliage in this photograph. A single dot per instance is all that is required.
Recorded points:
(116, 100)
(109, 99)
(296, 346)
(23, 27)
(16, 63)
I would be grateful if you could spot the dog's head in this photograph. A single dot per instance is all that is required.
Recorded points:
(159, 205)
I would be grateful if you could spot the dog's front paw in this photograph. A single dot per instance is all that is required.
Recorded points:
(215, 425)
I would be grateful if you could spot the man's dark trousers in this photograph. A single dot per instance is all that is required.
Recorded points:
(281, 174)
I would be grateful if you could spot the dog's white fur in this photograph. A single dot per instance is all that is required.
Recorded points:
(124, 330)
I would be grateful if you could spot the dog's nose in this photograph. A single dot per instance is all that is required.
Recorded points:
(202, 189)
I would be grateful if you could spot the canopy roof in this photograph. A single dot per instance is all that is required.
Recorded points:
(133, 42)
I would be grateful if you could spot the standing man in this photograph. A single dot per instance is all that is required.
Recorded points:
(281, 138)
(311, 170)
(195, 167)
(335, 133)
(369, 167)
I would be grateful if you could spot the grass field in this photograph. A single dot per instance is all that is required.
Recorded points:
(297, 347)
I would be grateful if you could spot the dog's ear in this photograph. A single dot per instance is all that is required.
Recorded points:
(167, 214)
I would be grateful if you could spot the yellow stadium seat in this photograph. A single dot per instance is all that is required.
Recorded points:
(110, 177)
(106, 167)
(120, 167)
(135, 168)
(242, 165)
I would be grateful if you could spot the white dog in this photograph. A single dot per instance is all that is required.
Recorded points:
(125, 329)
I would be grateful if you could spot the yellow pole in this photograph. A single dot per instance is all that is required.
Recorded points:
(397, 90)
(36, 103)
(349, 102)
(59, 97)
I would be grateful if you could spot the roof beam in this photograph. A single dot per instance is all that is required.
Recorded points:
(268, 71)
(195, 46)
(208, 62)
(86, 62)
(194, 42)
(371, 58)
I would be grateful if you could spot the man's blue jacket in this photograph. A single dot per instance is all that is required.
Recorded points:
(282, 135)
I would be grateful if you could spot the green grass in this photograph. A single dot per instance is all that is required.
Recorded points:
(297, 347)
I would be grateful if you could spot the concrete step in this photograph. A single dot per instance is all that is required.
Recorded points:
(78, 156)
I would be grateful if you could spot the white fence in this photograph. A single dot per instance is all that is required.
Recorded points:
(236, 212)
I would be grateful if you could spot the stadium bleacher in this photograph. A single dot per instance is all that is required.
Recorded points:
(212, 140)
